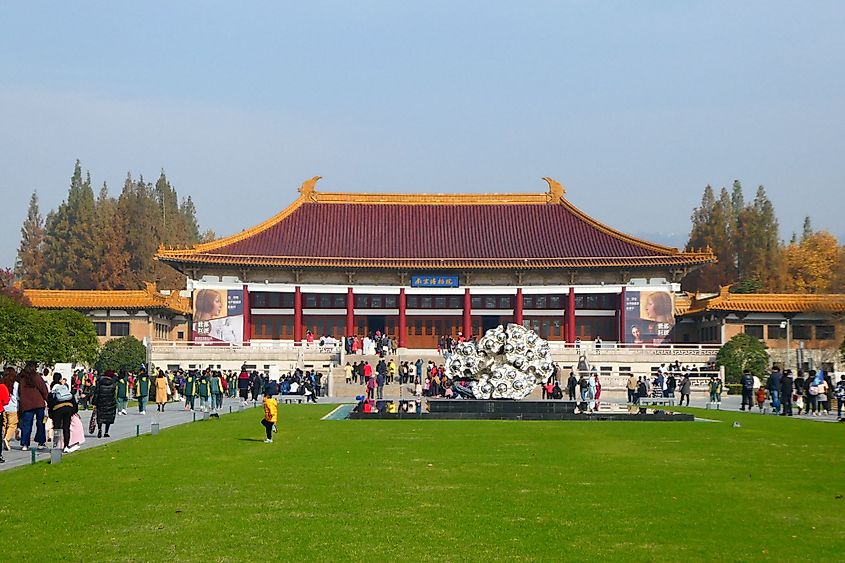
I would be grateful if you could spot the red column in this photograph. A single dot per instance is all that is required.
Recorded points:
(297, 316)
(570, 314)
(402, 328)
(467, 326)
(517, 309)
(350, 313)
(247, 316)
(622, 330)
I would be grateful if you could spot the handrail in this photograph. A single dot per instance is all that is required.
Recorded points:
(591, 346)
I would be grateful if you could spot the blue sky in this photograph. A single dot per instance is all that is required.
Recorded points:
(633, 106)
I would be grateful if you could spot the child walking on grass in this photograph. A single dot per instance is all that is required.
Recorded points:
(271, 415)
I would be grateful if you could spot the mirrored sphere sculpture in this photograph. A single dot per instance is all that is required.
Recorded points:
(507, 363)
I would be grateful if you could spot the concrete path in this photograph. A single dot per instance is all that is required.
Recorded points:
(123, 427)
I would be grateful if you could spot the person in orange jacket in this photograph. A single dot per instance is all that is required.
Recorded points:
(271, 415)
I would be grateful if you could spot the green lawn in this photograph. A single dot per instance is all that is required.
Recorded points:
(439, 491)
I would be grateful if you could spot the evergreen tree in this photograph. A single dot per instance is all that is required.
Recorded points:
(190, 227)
(744, 238)
(807, 229)
(108, 243)
(207, 236)
(139, 212)
(111, 270)
(30, 263)
(171, 231)
(69, 252)
(759, 255)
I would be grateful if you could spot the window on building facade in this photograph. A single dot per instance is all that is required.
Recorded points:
(754, 330)
(825, 332)
(475, 302)
(802, 332)
(440, 302)
(309, 301)
(258, 300)
(100, 328)
(339, 301)
(456, 302)
(774, 332)
(392, 302)
(119, 329)
(587, 328)
(412, 302)
(544, 302)
(325, 301)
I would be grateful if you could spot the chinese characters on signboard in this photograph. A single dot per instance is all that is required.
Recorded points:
(435, 281)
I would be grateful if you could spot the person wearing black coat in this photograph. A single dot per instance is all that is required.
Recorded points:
(747, 390)
(786, 389)
(775, 384)
(571, 383)
(105, 401)
(830, 387)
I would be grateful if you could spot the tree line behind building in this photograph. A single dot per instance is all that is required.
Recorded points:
(109, 242)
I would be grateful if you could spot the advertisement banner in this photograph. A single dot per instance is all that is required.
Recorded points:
(649, 316)
(218, 315)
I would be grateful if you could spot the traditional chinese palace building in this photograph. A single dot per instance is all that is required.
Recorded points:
(146, 314)
(420, 266)
(810, 326)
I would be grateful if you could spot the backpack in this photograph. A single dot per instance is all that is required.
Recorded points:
(62, 393)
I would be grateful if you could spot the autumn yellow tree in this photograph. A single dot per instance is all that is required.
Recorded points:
(812, 263)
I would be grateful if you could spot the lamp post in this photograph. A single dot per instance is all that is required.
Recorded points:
(787, 324)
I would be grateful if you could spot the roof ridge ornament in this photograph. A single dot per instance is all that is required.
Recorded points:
(307, 189)
(556, 191)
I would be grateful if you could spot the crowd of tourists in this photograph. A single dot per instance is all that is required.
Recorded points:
(810, 392)
(374, 344)
(50, 404)
(427, 379)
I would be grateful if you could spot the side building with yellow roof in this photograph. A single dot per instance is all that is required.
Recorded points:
(810, 327)
(147, 314)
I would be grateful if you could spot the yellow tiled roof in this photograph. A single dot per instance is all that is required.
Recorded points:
(147, 298)
(766, 303)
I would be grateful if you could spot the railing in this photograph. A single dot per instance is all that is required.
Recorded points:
(161, 345)
(592, 347)
(619, 380)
